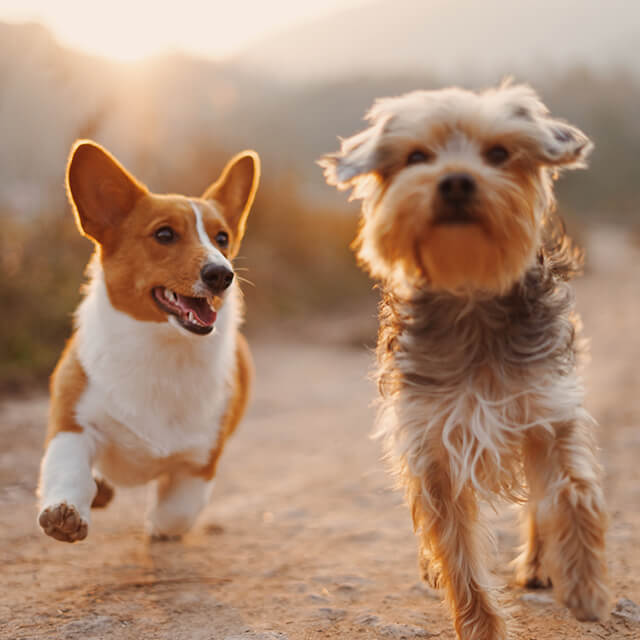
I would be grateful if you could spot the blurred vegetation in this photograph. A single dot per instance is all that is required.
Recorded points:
(41, 267)
(296, 251)
(298, 257)
(294, 260)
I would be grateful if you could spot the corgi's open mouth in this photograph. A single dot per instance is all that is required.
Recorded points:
(194, 314)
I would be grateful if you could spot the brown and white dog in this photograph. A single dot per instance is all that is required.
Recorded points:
(156, 375)
(477, 349)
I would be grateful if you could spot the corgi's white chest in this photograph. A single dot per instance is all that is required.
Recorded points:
(155, 395)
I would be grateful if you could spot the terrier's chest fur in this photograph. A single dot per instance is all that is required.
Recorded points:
(473, 376)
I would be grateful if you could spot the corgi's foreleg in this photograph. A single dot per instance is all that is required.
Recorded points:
(66, 487)
(176, 501)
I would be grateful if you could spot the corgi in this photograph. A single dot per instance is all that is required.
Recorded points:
(156, 375)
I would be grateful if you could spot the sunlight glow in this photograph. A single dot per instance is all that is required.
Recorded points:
(130, 30)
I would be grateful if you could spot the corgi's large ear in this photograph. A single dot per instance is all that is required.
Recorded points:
(235, 190)
(101, 191)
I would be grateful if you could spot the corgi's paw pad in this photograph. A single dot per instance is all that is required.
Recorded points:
(63, 522)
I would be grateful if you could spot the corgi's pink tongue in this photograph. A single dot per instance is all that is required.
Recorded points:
(200, 308)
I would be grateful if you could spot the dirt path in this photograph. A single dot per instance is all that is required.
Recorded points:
(304, 537)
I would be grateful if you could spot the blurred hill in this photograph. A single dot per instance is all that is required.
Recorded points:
(148, 113)
(162, 117)
(449, 36)
(174, 121)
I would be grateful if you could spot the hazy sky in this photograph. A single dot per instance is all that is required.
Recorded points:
(130, 29)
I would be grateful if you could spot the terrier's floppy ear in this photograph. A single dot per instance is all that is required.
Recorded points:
(359, 155)
(235, 190)
(562, 145)
(556, 143)
(101, 191)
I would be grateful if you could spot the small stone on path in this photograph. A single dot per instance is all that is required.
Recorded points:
(627, 609)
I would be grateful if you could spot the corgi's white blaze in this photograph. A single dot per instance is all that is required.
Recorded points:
(213, 253)
(65, 473)
(155, 397)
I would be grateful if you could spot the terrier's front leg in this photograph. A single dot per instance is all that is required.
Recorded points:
(452, 552)
(177, 500)
(573, 520)
(529, 570)
(66, 487)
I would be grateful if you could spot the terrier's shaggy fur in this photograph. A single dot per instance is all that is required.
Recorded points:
(478, 343)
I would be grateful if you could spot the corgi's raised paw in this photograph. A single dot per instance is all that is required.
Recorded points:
(63, 522)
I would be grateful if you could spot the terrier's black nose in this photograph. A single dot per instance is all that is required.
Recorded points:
(216, 276)
(457, 188)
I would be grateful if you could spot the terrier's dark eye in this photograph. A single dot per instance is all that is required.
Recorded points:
(418, 156)
(496, 155)
(165, 235)
(222, 238)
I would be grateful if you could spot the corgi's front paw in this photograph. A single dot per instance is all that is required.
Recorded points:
(63, 522)
(161, 527)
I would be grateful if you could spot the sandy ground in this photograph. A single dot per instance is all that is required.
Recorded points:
(305, 537)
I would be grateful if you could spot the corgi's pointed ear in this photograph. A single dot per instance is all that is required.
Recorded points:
(235, 190)
(101, 191)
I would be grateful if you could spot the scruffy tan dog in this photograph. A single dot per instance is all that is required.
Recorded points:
(478, 343)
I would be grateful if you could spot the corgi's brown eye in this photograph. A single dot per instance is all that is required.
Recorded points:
(496, 155)
(165, 235)
(222, 239)
(419, 156)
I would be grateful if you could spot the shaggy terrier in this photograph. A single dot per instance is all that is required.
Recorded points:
(478, 342)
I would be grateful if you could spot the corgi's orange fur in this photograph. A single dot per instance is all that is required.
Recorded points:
(156, 376)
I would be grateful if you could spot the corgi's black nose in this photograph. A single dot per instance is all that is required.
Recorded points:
(216, 276)
(457, 188)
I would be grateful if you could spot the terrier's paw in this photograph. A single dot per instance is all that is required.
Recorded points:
(63, 522)
(480, 624)
(531, 576)
(536, 582)
(429, 571)
(589, 602)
